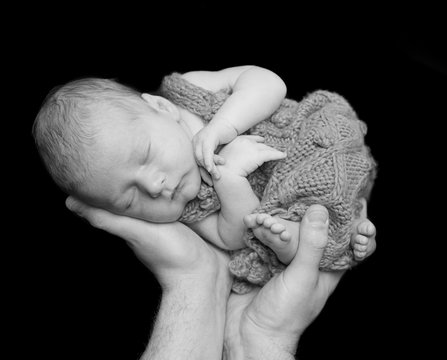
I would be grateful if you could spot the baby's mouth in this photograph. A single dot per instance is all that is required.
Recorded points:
(176, 189)
(173, 192)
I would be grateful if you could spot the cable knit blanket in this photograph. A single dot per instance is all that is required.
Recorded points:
(327, 163)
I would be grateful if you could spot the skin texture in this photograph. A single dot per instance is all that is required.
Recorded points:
(193, 275)
(148, 167)
(143, 168)
(264, 324)
(268, 322)
(255, 94)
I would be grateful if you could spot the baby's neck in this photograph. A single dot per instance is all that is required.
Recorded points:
(191, 123)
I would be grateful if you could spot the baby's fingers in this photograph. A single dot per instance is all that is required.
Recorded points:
(219, 160)
(205, 176)
(211, 160)
(214, 172)
(269, 154)
(256, 138)
(266, 148)
(208, 156)
(198, 154)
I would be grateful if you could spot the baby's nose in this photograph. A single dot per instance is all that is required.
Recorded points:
(154, 185)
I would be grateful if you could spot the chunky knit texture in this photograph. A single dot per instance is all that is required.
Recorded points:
(327, 163)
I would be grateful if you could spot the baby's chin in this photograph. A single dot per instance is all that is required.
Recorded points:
(168, 218)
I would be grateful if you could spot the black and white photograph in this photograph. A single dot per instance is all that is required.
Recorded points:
(217, 182)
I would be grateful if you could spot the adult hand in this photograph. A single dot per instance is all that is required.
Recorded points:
(194, 277)
(268, 322)
(171, 251)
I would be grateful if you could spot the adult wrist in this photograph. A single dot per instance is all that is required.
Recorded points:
(266, 350)
(210, 283)
(191, 320)
(237, 346)
(276, 344)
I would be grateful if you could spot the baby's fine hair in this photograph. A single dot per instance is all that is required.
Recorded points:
(64, 128)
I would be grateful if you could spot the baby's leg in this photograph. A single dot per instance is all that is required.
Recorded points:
(363, 240)
(278, 234)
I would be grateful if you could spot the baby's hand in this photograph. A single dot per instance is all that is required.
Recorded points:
(246, 153)
(205, 143)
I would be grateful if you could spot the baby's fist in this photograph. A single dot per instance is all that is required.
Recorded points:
(205, 142)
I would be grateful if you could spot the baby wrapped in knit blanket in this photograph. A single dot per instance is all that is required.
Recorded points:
(327, 163)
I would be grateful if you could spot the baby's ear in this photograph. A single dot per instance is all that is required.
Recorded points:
(159, 104)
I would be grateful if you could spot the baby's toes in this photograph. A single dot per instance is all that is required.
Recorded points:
(366, 228)
(269, 222)
(360, 247)
(359, 255)
(285, 236)
(260, 218)
(250, 220)
(360, 240)
(277, 228)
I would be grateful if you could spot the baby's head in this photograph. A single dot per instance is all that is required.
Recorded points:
(117, 149)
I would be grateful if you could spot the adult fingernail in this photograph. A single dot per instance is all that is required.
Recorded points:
(318, 217)
(70, 203)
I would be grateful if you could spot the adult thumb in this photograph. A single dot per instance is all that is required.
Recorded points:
(312, 242)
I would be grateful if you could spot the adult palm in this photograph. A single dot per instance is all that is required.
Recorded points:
(267, 322)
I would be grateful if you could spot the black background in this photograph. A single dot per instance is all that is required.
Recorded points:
(80, 293)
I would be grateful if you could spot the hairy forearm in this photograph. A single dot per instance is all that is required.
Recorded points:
(253, 345)
(267, 353)
(261, 349)
(237, 200)
(189, 324)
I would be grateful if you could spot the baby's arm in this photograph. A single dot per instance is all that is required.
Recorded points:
(255, 94)
(226, 229)
(242, 156)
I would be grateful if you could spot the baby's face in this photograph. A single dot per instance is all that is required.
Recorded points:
(144, 168)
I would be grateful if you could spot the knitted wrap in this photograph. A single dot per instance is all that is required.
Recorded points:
(327, 163)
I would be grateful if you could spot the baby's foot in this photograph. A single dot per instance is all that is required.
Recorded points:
(278, 234)
(363, 240)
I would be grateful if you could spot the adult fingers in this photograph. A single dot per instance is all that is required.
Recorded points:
(158, 246)
(130, 229)
(304, 268)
